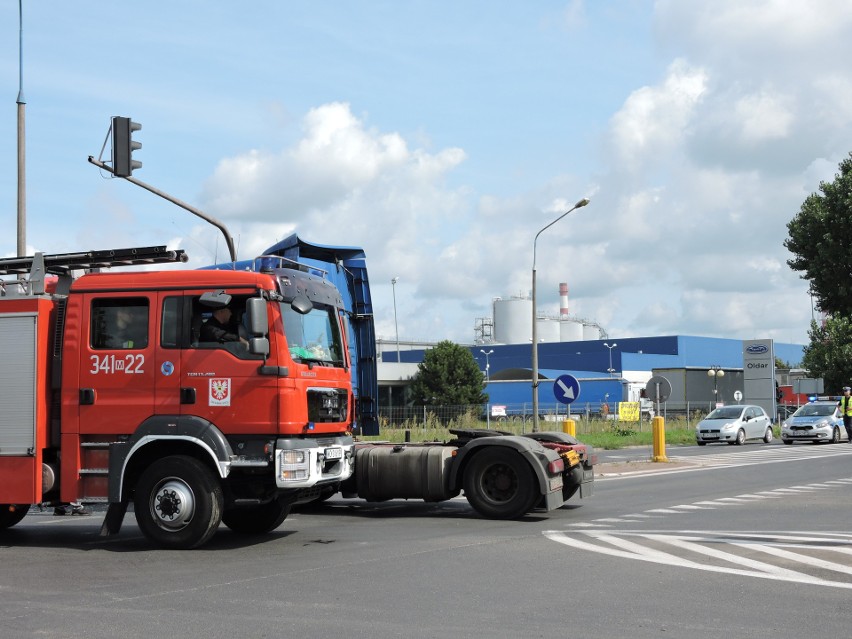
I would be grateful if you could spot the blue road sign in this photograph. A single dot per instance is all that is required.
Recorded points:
(566, 388)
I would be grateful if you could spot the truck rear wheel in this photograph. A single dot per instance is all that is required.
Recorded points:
(178, 502)
(11, 514)
(500, 484)
(257, 520)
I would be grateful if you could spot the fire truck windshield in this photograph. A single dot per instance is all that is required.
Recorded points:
(313, 337)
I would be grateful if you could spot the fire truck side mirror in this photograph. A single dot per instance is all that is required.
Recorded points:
(257, 320)
(259, 346)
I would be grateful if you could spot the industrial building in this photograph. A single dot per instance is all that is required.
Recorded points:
(609, 370)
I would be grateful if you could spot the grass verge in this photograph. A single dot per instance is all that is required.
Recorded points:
(603, 434)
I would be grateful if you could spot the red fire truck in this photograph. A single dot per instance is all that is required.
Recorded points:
(117, 391)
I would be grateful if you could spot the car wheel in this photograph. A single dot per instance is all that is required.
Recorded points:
(701, 443)
(835, 436)
(787, 441)
(740, 437)
(767, 436)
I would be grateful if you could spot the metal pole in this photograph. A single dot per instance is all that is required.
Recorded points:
(219, 225)
(22, 151)
(395, 325)
(579, 204)
(534, 349)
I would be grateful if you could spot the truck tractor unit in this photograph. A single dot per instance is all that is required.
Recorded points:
(225, 395)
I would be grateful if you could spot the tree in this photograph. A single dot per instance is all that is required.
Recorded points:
(820, 238)
(448, 376)
(829, 355)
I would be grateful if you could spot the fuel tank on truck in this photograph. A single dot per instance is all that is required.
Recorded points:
(385, 472)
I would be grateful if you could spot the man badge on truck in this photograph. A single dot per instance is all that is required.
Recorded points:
(220, 391)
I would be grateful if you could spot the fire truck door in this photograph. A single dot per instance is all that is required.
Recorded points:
(117, 362)
(220, 380)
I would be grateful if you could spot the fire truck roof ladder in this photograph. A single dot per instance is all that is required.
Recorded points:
(39, 265)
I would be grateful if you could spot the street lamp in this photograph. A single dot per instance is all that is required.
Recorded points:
(610, 370)
(395, 325)
(487, 365)
(715, 372)
(578, 205)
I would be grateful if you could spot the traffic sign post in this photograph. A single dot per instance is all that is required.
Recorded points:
(566, 389)
(660, 389)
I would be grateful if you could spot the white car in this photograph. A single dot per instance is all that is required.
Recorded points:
(734, 425)
(815, 422)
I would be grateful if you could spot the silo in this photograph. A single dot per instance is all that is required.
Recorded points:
(591, 332)
(547, 330)
(570, 331)
(512, 321)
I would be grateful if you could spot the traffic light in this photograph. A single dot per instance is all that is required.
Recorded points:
(123, 146)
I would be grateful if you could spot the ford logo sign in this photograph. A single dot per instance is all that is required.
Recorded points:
(757, 349)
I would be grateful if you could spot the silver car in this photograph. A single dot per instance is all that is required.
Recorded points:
(815, 422)
(734, 424)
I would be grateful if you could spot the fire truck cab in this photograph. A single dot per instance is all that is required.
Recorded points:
(200, 397)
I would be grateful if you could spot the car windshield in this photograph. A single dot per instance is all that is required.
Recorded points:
(727, 412)
(815, 410)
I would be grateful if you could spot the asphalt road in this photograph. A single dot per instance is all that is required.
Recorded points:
(747, 541)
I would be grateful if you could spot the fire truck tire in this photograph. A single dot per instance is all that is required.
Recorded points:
(257, 519)
(9, 517)
(500, 484)
(178, 502)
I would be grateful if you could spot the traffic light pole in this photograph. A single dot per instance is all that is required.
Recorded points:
(219, 225)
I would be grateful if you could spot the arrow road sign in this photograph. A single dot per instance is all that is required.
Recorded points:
(566, 388)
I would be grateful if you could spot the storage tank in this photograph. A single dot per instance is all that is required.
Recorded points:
(512, 321)
(591, 332)
(547, 330)
(570, 331)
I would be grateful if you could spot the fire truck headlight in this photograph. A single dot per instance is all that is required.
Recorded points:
(293, 465)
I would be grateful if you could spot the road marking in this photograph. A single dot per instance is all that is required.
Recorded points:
(721, 502)
(734, 552)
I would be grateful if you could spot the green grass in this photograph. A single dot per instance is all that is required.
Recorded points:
(604, 434)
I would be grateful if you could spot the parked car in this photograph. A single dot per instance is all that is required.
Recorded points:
(815, 422)
(734, 424)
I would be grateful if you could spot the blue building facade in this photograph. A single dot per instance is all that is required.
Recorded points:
(632, 359)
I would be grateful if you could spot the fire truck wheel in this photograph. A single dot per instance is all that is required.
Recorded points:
(11, 514)
(257, 519)
(178, 502)
(500, 484)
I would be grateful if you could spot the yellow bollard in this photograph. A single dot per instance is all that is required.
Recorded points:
(569, 426)
(659, 427)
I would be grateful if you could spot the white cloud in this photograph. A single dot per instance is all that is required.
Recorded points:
(653, 120)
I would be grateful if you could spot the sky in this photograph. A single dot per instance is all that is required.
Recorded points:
(441, 137)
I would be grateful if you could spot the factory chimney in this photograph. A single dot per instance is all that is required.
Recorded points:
(563, 298)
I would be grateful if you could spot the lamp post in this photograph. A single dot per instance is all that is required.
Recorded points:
(395, 325)
(578, 205)
(610, 370)
(715, 372)
(487, 377)
(487, 365)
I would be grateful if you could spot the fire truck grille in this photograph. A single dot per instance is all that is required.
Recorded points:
(327, 405)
